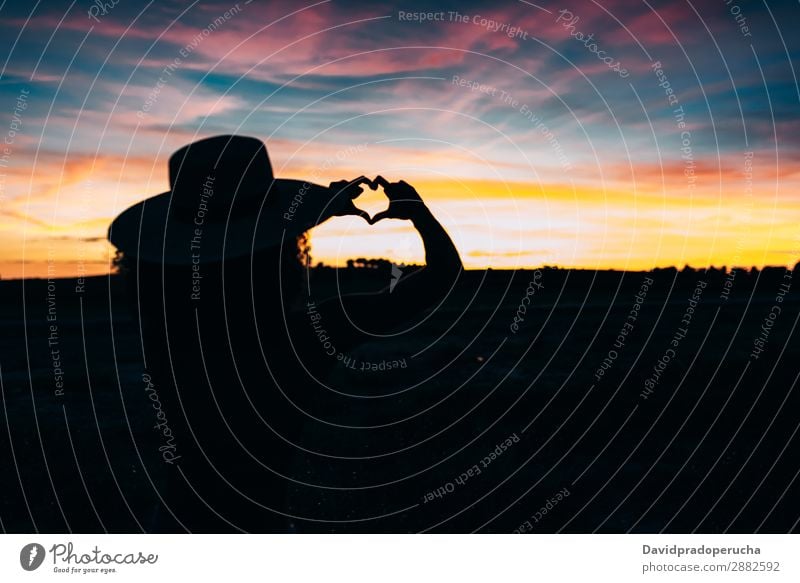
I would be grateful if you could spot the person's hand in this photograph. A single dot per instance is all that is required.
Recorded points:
(404, 201)
(350, 190)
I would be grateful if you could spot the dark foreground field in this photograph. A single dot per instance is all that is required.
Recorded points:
(683, 420)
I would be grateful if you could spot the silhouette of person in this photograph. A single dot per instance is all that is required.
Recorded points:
(235, 362)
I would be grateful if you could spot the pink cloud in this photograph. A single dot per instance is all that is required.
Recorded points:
(654, 27)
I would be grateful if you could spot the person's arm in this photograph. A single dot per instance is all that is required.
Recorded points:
(405, 202)
(354, 317)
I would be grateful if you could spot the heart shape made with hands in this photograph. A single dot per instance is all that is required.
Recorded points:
(401, 197)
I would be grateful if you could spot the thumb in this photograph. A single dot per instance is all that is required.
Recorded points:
(380, 216)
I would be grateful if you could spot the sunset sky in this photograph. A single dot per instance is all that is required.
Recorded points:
(543, 154)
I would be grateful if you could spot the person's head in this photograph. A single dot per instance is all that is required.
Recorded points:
(224, 203)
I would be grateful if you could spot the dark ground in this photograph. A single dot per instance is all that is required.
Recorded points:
(713, 448)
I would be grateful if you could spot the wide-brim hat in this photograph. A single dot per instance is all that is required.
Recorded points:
(223, 202)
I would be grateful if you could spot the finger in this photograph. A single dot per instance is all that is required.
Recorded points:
(354, 187)
(381, 215)
(345, 189)
(381, 181)
(340, 185)
(361, 180)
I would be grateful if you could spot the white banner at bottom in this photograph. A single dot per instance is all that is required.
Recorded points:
(400, 558)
